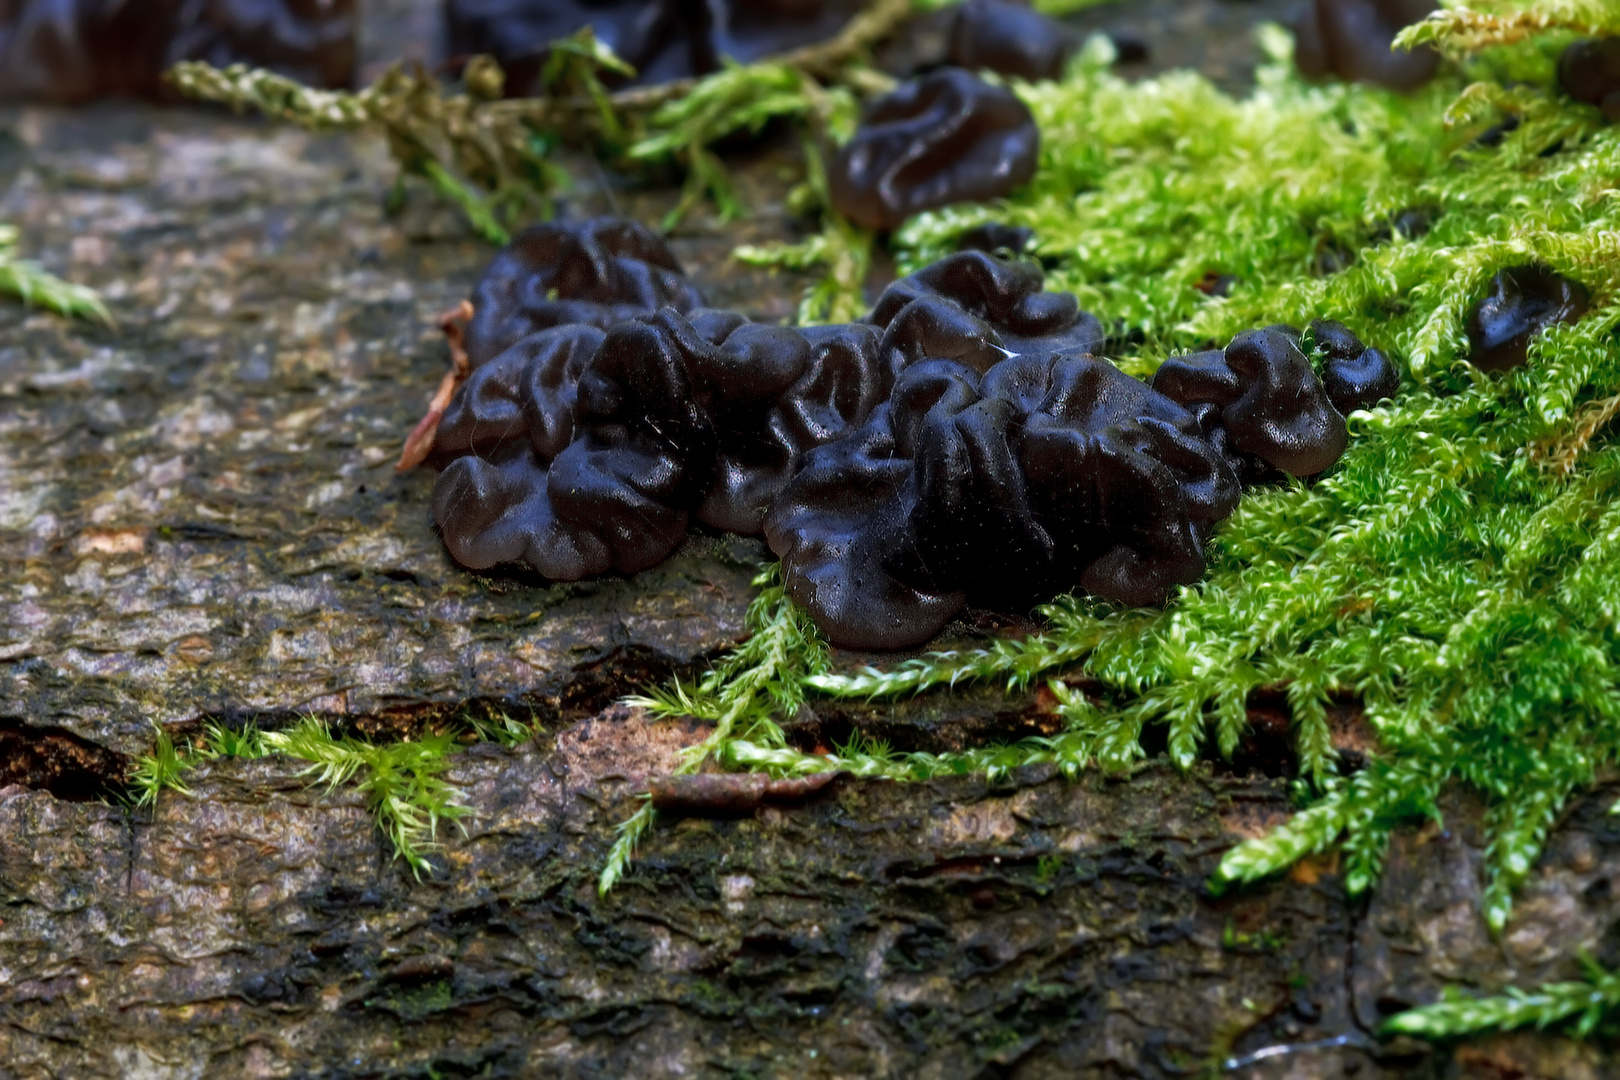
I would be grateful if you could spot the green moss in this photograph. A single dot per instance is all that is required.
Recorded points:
(1582, 1004)
(163, 768)
(32, 284)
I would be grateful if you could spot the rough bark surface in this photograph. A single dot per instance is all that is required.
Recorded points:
(199, 519)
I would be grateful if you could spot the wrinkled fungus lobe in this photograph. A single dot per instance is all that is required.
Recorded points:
(584, 452)
(1354, 376)
(947, 137)
(1589, 71)
(1010, 39)
(595, 272)
(661, 39)
(976, 309)
(1520, 302)
(1004, 485)
(1259, 399)
(76, 50)
(1351, 39)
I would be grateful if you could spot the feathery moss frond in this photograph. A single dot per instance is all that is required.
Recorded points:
(33, 284)
(1586, 1001)
(401, 781)
(742, 695)
(162, 768)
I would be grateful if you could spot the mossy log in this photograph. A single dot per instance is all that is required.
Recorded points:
(200, 521)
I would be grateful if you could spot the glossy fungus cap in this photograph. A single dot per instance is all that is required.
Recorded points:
(596, 272)
(1270, 403)
(944, 138)
(1010, 39)
(1519, 303)
(630, 432)
(1354, 376)
(1351, 39)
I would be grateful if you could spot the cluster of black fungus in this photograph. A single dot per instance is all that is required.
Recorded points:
(959, 445)
(1589, 71)
(661, 39)
(1520, 302)
(946, 137)
(75, 50)
(1350, 40)
(1000, 486)
(1011, 39)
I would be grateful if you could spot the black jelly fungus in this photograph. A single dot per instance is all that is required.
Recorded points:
(959, 445)
(661, 39)
(944, 138)
(1519, 302)
(76, 50)
(1350, 40)
(1354, 376)
(1005, 304)
(1010, 39)
(995, 237)
(1042, 473)
(1271, 405)
(1589, 71)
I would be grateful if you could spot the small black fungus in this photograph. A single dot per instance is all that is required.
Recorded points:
(1520, 302)
(976, 309)
(1350, 40)
(1413, 223)
(1354, 376)
(995, 237)
(1260, 398)
(596, 272)
(1011, 39)
(1001, 488)
(1589, 71)
(947, 137)
(661, 39)
(75, 50)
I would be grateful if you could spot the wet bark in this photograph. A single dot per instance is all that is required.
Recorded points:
(199, 520)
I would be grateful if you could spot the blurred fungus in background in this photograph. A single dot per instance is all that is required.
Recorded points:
(661, 39)
(73, 51)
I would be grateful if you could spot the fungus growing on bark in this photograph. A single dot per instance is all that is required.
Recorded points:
(1043, 473)
(1520, 302)
(947, 137)
(579, 464)
(76, 50)
(1589, 71)
(1011, 39)
(1350, 40)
